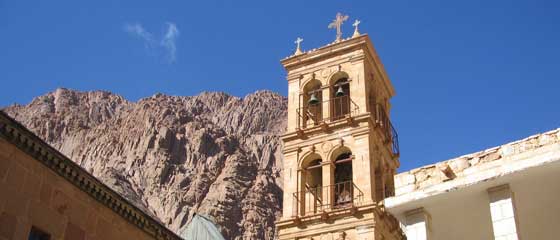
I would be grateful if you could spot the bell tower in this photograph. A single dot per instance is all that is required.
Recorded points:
(340, 149)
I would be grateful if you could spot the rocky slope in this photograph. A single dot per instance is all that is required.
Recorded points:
(213, 153)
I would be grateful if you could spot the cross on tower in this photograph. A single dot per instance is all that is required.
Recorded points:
(356, 32)
(298, 42)
(337, 23)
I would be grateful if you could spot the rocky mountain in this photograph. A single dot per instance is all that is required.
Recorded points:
(213, 154)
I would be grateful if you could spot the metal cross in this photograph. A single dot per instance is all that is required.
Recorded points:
(356, 32)
(337, 23)
(298, 42)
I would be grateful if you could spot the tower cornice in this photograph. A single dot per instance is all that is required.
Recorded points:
(297, 65)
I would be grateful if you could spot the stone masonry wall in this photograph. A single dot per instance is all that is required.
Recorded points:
(32, 195)
(464, 166)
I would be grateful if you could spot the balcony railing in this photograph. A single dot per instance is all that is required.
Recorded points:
(321, 199)
(340, 108)
(387, 128)
(314, 114)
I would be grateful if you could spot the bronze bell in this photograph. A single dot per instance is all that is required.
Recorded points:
(339, 92)
(313, 99)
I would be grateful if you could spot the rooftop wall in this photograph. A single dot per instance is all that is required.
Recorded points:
(494, 162)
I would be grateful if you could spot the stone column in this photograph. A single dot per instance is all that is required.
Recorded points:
(326, 111)
(417, 224)
(502, 210)
(302, 198)
(293, 104)
(290, 184)
(328, 184)
(362, 175)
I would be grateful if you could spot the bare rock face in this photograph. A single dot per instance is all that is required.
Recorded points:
(213, 153)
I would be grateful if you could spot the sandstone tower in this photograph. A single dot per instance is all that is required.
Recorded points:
(340, 148)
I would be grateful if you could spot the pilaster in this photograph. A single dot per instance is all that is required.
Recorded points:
(502, 210)
(418, 225)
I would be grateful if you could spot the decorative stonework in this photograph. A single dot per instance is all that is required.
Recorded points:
(326, 146)
(325, 73)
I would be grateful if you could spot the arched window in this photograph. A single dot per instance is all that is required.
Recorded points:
(344, 188)
(312, 111)
(340, 104)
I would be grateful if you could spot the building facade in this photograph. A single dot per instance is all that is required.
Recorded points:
(508, 192)
(44, 195)
(340, 149)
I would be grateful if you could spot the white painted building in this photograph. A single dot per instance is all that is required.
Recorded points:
(503, 193)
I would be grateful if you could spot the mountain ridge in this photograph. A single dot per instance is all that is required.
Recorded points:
(212, 153)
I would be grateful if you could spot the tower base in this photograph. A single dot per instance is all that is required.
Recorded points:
(369, 222)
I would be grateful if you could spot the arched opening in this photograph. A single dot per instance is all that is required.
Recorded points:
(312, 185)
(312, 111)
(340, 95)
(343, 188)
(314, 175)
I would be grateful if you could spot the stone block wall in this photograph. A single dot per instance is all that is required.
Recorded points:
(34, 196)
(498, 161)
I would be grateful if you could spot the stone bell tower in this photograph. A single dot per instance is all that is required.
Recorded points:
(340, 149)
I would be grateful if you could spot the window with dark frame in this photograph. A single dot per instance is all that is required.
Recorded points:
(38, 234)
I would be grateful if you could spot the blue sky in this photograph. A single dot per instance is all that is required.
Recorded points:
(469, 74)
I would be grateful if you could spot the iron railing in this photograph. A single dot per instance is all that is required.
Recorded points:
(340, 108)
(321, 199)
(391, 136)
(314, 114)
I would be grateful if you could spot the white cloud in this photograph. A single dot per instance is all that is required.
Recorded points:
(167, 43)
(139, 31)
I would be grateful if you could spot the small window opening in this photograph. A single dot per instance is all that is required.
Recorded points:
(38, 234)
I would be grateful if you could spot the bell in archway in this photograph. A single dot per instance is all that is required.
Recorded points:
(339, 92)
(313, 99)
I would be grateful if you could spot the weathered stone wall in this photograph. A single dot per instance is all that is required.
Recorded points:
(500, 160)
(33, 195)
